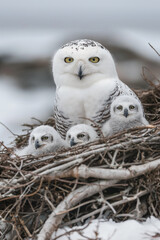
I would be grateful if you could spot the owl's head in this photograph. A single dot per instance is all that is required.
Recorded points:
(80, 63)
(126, 108)
(80, 133)
(42, 136)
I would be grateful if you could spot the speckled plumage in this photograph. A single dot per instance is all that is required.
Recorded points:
(89, 95)
(82, 44)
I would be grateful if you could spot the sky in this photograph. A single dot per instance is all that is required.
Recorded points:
(84, 14)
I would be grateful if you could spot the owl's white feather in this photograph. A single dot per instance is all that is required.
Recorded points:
(43, 140)
(84, 88)
(80, 133)
(125, 112)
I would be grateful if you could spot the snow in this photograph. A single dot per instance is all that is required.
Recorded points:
(19, 106)
(72, 15)
(110, 230)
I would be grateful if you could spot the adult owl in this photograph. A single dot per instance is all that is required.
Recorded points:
(86, 84)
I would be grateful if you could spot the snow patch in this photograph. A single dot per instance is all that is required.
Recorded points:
(110, 230)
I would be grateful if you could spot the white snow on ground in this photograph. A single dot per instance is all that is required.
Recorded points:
(109, 230)
(18, 107)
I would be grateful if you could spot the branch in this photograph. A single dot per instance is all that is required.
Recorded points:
(40, 172)
(154, 49)
(71, 200)
(119, 174)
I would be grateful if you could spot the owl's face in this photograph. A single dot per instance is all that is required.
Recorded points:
(126, 108)
(81, 63)
(79, 134)
(41, 136)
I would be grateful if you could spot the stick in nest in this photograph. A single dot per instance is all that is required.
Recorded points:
(71, 200)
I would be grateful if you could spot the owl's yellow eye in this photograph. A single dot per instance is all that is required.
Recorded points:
(69, 59)
(94, 59)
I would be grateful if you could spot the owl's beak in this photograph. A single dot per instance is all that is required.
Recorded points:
(125, 112)
(37, 145)
(72, 142)
(80, 73)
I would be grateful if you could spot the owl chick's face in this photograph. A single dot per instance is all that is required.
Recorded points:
(81, 63)
(41, 136)
(79, 134)
(78, 138)
(126, 108)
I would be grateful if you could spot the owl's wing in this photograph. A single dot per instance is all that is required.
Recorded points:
(103, 114)
(24, 151)
(144, 121)
(106, 129)
(62, 122)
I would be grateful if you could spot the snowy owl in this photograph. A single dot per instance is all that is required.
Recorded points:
(80, 133)
(43, 139)
(86, 84)
(126, 112)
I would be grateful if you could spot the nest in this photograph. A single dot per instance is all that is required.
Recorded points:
(116, 177)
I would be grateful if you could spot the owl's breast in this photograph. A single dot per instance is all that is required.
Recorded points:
(71, 101)
(96, 96)
(79, 103)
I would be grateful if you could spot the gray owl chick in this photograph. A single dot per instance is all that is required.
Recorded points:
(125, 112)
(80, 133)
(43, 139)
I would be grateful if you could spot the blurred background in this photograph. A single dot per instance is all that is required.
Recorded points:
(31, 32)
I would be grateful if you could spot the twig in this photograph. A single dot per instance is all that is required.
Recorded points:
(8, 129)
(25, 228)
(121, 202)
(154, 49)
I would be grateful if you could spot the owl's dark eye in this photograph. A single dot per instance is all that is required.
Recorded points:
(131, 107)
(43, 138)
(33, 138)
(120, 107)
(80, 135)
(69, 136)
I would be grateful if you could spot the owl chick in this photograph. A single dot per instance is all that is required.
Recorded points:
(125, 112)
(80, 133)
(43, 139)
